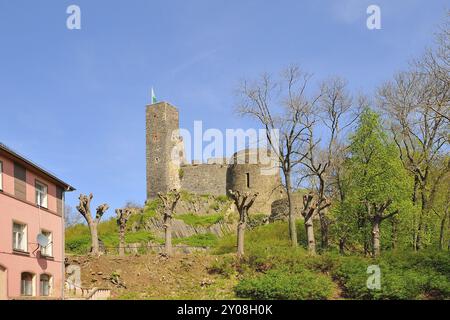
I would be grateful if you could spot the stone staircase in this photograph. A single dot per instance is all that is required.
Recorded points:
(73, 292)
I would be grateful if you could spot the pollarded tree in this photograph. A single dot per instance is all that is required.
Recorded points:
(169, 201)
(378, 186)
(84, 208)
(243, 202)
(122, 218)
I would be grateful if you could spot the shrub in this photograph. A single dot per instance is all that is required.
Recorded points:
(78, 244)
(282, 284)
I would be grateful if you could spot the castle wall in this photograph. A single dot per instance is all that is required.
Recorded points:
(204, 179)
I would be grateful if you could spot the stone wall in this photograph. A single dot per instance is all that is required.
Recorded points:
(162, 124)
(204, 179)
(280, 208)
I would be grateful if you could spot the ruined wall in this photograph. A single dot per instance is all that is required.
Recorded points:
(280, 208)
(204, 179)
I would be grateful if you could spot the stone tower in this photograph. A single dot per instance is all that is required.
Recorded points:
(256, 170)
(164, 149)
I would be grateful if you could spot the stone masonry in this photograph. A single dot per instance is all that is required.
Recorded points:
(168, 170)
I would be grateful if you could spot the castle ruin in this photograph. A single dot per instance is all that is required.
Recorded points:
(167, 168)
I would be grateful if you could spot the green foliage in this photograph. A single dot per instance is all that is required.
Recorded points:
(181, 173)
(283, 284)
(200, 220)
(222, 199)
(78, 244)
(198, 240)
(372, 174)
(139, 237)
(408, 275)
(152, 207)
(187, 196)
(138, 219)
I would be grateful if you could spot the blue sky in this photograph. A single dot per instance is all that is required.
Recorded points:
(74, 100)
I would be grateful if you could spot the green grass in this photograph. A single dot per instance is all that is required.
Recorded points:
(200, 220)
(198, 240)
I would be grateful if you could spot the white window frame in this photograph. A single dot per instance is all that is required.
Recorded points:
(41, 196)
(48, 250)
(50, 285)
(28, 291)
(20, 237)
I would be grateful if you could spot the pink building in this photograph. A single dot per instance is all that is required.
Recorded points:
(31, 204)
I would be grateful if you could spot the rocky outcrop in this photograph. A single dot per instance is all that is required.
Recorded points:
(182, 230)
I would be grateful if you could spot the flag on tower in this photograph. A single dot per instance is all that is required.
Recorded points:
(153, 97)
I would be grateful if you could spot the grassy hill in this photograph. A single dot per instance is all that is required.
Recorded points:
(270, 270)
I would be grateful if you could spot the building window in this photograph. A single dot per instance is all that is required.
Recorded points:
(41, 194)
(1, 176)
(48, 249)
(27, 284)
(247, 176)
(45, 285)
(19, 237)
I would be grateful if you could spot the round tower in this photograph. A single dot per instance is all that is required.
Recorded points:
(256, 170)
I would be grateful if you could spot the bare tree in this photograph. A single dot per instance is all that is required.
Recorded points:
(417, 103)
(420, 133)
(324, 155)
(122, 218)
(311, 206)
(84, 208)
(282, 105)
(169, 201)
(243, 202)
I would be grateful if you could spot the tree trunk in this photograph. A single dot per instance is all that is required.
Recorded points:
(376, 237)
(442, 232)
(292, 226)
(421, 217)
(310, 235)
(323, 229)
(168, 237)
(121, 241)
(240, 239)
(94, 239)
(342, 246)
